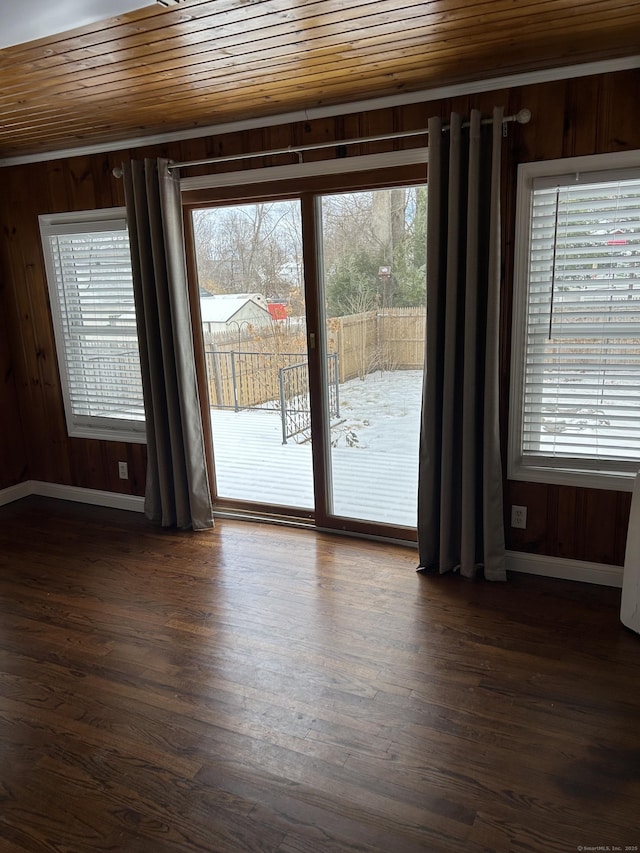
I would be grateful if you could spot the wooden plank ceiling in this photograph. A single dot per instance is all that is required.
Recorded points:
(205, 62)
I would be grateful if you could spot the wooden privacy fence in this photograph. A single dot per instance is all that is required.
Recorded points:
(243, 371)
(247, 380)
(391, 339)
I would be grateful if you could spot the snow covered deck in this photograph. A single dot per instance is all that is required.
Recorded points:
(374, 460)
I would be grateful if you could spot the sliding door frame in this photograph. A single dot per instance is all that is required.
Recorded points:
(307, 191)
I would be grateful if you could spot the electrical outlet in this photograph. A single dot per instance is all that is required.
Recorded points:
(123, 470)
(519, 517)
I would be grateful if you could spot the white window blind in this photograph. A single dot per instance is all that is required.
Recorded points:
(91, 289)
(580, 392)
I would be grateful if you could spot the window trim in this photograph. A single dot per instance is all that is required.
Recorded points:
(553, 471)
(96, 427)
(339, 168)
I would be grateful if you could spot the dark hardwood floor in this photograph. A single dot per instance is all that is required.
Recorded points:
(257, 688)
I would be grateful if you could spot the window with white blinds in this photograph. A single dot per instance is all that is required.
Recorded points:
(577, 328)
(88, 267)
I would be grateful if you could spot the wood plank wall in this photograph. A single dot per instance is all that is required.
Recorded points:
(13, 452)
(582, 116)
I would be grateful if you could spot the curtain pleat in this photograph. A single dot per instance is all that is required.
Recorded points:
(470, 403)
(460, 516)
(492, 499)
(177, 488)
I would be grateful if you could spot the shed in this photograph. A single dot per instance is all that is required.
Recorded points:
(233, 311)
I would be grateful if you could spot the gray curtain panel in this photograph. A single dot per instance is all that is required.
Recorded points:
(460, 515)
(177, 488)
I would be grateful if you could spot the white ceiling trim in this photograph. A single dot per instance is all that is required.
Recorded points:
(506, 82)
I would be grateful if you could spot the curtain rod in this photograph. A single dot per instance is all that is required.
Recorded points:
(521, 117)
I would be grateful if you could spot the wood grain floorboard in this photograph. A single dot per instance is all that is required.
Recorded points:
(261, 688)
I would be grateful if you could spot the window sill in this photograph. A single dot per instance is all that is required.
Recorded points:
(613, 481)
(104, 434)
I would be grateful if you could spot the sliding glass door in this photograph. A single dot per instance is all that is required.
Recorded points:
(313, 319)
(251, 295)
(372, 262)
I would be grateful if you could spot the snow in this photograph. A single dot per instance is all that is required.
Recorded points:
(374, 453)
(590, 415)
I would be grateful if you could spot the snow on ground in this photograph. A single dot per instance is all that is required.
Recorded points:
(382, 412)
(374, 457)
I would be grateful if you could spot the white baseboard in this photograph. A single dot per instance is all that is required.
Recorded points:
(15, 493)
(133, 503)
(517, 561)
(570, 570)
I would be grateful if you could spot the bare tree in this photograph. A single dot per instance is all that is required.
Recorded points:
(249, 248)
